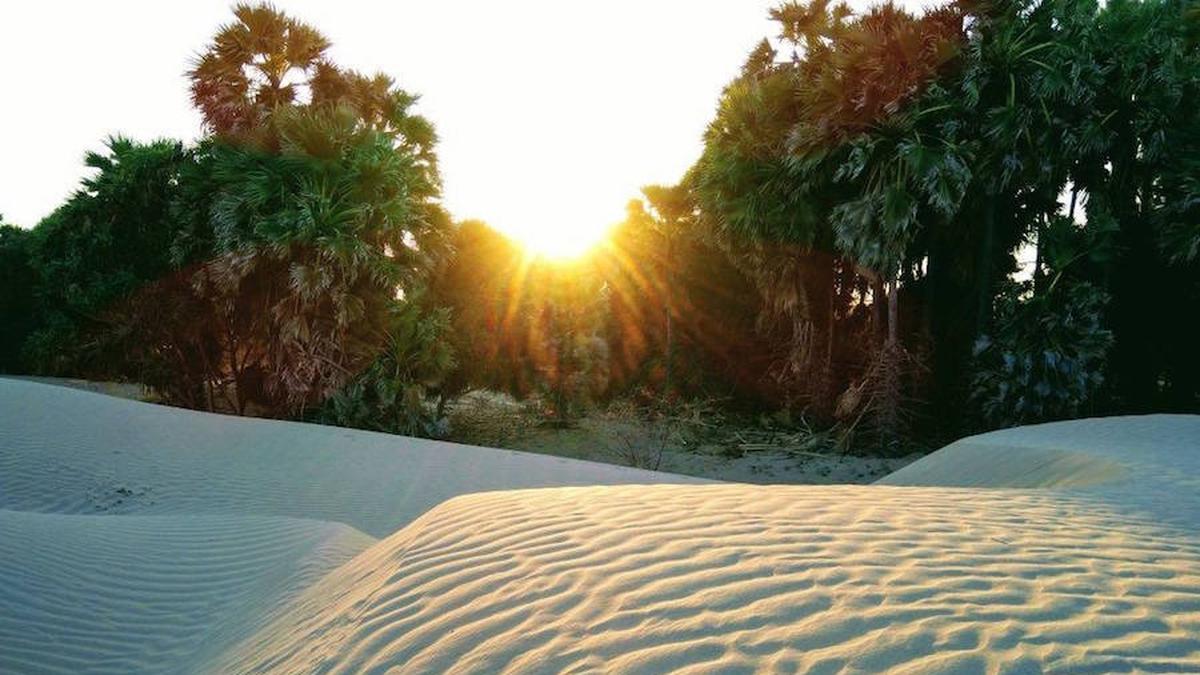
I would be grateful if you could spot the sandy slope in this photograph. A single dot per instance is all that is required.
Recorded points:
(739, 579)
(1093, 566)
(69, 451)
(1106, 450)
(141, 538)
(150, 593)
(1147, 464)
(1062, 548)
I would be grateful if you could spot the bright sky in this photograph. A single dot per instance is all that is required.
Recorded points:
(551, 114)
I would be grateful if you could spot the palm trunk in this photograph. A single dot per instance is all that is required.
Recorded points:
(670, 336)
(983, 309)
(879, 310)
(893, 309)
(831, 332)
(560, 384)
(1037, 257)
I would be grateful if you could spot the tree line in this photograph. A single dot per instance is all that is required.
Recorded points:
(847, 248)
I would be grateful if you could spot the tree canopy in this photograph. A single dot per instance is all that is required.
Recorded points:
(901, 226)
(927, 151)
(272, 264)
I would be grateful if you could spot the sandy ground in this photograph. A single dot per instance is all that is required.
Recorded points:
(131, 391)
(139, 538)
(716, 452)
(68, 451)
(598, 439)
(742, 579)
(592, 440)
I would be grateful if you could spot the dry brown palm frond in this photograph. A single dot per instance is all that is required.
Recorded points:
(882, 405)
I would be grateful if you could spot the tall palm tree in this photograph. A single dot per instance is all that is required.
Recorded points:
(664, 213)
(264, 59)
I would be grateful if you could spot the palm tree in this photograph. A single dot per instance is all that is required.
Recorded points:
(325, 212)
(664, 212)
(264, 59)
(803, 159)
(323, 236)
(771, 224)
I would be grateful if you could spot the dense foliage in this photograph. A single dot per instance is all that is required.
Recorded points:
(1046, 357)
(902, 227)
(112, 236)
(271, 266)
(394, 392)
(916, 156)
(17, 284)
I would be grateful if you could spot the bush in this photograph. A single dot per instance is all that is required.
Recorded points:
(16, 296)
(1045, 358)
(401, 392)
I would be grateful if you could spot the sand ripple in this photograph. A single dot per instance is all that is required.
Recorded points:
(150, 593)
(741, 579)
(69, 451)
(137, 538)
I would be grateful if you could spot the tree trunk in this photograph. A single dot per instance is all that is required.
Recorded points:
(879, 311)
(669, 302)
(560, 380)
(830, 334)
(983, 309)
(1136, 309)
(893, 309)
(818, 278)
(1037, 256)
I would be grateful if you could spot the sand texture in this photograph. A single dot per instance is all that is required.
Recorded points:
(69, 451)
(137, 538)
(150, 593)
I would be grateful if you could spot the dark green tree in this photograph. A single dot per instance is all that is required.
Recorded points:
(111, 237)
(17, 283)
(323, 219)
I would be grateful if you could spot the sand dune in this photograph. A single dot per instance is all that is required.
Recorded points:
(737, 579)
(1149, 465)
(150, 593)
(70, 451)
(1060, 548)
(1078, 453)
(142, 538)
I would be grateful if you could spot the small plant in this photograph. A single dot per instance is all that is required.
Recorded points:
(882, 407)
(495, 419)
(1045, 357)
(640, 434)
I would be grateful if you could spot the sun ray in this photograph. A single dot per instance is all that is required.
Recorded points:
(557, 241)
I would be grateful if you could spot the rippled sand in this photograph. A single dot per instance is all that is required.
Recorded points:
(278, 547)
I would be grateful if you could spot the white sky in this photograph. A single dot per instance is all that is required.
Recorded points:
(551, 114)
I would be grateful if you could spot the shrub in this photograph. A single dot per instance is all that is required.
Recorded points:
(16, 295)
(1044, 359)
(401, 391)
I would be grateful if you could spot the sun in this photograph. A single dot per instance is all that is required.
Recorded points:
(558, 241)
(563, 220)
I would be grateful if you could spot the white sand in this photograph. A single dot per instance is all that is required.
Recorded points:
(142, 538)
(735, 579)
(69, 451)
(1062, 548)
(141, 593)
